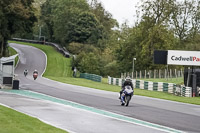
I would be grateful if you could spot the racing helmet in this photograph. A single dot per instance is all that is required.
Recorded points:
(128, 78)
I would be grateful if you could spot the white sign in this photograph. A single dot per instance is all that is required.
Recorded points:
(188, 58)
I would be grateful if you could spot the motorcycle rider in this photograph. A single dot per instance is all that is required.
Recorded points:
(25, 72)
(127, 82)
(35, 71)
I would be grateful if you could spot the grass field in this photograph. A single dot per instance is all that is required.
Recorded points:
(66, 78)
(12, 121)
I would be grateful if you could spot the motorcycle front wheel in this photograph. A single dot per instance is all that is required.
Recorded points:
(127, 99)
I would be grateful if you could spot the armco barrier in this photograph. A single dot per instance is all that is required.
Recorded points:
(155, 86)
(60, 49)
(92, 77)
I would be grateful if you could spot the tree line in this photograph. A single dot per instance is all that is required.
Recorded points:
(100, 44)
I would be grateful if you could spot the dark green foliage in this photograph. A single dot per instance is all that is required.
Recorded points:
(86, 29)
(161, 27)
(61, 17)
(90, 33)
(16, 16)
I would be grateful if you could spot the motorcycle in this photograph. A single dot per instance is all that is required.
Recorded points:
(35, 76)
(126, 95)
(25, 74)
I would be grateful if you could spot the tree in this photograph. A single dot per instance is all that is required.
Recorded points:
(46, 18)
(64, 14)
(182, 18)
(106, 20)
(89, 63)
(150, 34)
(16, 16)
(86, 29)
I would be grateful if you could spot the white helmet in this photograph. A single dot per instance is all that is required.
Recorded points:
(128, 78)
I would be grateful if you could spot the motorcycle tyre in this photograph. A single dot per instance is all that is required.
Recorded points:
(127, 99)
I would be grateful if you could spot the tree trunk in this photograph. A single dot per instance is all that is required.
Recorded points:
(4, 47)
(2, 42)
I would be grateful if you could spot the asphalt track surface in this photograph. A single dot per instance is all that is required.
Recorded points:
(180, 116)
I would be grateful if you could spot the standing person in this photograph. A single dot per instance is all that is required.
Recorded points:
(74, 72)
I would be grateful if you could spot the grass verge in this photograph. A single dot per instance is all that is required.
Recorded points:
(12, 121)
(169, 80)
(57, 64)
(13, 52)
(104, 84)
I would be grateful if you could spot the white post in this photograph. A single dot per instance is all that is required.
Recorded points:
(175, 74)
(133, 65)
(159, 73)
(167, 73)
(181, 73)
(170, 73)
(149, 74)
(136, 75)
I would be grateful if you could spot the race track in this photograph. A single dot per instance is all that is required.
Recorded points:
(179, 116)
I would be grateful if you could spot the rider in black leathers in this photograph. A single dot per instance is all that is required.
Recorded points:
(127, 81)
(25, 72)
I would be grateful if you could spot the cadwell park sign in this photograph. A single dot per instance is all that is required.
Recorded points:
(184, 58)
(188, 58)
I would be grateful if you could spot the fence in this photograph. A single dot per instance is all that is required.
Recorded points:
(161, 73)
(92, 77)
(58, 47)
(155, 86)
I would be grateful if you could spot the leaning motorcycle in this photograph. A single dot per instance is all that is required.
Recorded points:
(126, 95)
(35, 76)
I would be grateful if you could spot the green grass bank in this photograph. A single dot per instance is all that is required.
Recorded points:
(12, 121)
(178, 81)
(57, 64)
(13, 52)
